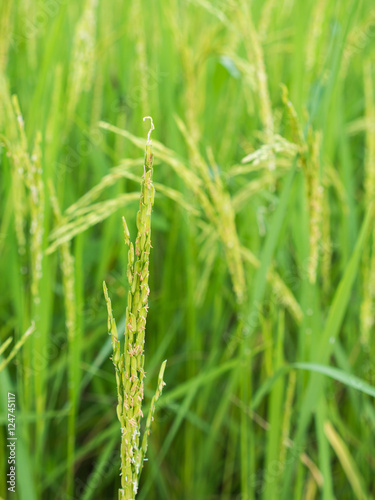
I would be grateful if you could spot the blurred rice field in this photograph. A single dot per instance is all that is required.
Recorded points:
(262, 271)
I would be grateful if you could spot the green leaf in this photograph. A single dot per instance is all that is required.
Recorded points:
(338, 375)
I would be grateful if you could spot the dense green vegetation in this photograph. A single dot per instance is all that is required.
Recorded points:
(262, 271)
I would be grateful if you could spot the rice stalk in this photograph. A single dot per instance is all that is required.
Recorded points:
(17, 150)
(67, 268)
(54, 125)
(315, 197)
(29, 9)
(6, 33)
(136, 20)
(122, 171)
(29, 210)
(309, 157)
(295, 125)
(83, 57)
(212, 9)
(28, 199)
(347, 461)
(254, 51)
(34, 181)
(106, 181)
(315, 37)
(326, 247)
(129, 364)
(97, 99)
(69, 284)
(164, 190)
(82, 215)
(368, 272)
(16, 348)
(33, 177)
(192, 94)
(198, 181)
(89, 216)
(228, 231)
(163, 153)
(310, 492)
(332, 179)
(358, 39)
(5, 345)
(207, 254)
(219, 210)
(288, 443)
(369, 182)
(214, 208)
(266, 18)
(287, 416)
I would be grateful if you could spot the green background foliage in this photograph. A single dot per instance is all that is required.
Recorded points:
(262, 272)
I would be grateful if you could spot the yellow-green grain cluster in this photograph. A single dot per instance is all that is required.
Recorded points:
(129, 361)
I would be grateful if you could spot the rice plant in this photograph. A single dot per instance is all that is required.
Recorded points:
(129, 360)
(263, 261)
